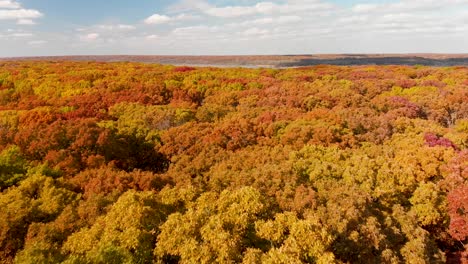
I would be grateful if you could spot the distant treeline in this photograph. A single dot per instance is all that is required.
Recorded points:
(273, 61)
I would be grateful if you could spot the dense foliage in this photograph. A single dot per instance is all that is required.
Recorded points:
(135, 163)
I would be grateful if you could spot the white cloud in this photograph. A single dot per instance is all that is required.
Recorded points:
(405, 18)
(353, 19)
(118, 27)
(255, 32)
(12, 10)
(157, 19)
(237, 11)
(22, 35)
(308, 24)
(263, 26)
(163, 19)
(195, 30)
(288, 19)
(37, 42)
(106, 33)
(407, 5)
(90, 37)
(188, 6)
(107, 28)
(24, 21)
(280, 20)
(19, 14)
(258, 21)
(13, 34)
(260, 8)
(8, 4)
(152, 37)
(365, 8)
(185, 17)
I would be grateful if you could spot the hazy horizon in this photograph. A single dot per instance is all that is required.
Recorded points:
(423, 54)
(225, 27)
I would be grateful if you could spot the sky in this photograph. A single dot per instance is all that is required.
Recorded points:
(227, 27)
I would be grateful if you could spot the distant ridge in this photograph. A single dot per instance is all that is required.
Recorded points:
(272, 61)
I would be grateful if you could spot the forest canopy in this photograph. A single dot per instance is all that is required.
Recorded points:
(141, 163)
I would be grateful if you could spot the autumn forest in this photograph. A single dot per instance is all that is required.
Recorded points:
(145, 163)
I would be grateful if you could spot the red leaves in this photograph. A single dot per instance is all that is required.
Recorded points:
(458, 211)
(401, 106)
(457, 185)
(183, 69)
(108, 180)
(406, 83)
(110, 128)
(433, 140)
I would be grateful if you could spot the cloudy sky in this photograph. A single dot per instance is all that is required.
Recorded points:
(203, 27)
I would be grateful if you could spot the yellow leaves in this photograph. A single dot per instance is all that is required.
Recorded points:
(144, 121)
(460, 134)
(71, 92)
(36, 199)
(13, 166)
(414, 92)
(9, 119)
(420, 246)
(275, 231)
(278, 256)
(212, 112)
(172, 84)
(127, 229)
(45, 196)
(294, 240)
(214, 225)
(462, 126)
(429, 205)
(421, 251)
(174, 196)
(319, 162)
(405, 162)
(371, 230)
(40, 252)
(336, 163)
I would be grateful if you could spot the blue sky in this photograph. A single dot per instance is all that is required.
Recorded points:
(204, 27)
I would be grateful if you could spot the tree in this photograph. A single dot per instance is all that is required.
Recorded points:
(37, 199)
(126, 234)
(215, 228)
(13, 167)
